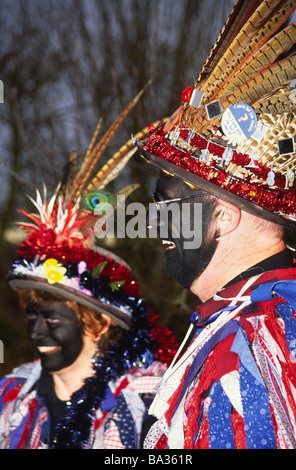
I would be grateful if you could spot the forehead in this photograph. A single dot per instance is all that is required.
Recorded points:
(171, 187)
(53, 307)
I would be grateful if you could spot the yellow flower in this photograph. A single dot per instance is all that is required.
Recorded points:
(53, 270)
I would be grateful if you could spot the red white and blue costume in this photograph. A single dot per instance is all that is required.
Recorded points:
(28, 405)
(235, 386)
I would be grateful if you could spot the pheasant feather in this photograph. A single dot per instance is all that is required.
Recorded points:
(237, 56)
(94, 155)
(237, 129)
(116, 163)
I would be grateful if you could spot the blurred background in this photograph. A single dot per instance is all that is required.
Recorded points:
(64, 65)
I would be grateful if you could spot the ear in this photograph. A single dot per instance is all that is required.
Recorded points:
(228, 219)
(105, 325)
(106, 322)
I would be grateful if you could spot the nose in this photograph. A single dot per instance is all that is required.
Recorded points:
(152, 216)
(153, 221)
(164, 222)
(38, 329)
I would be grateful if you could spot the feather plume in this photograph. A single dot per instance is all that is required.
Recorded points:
(116, 163)
(261, 33)
(254, 33)
(253, 68)
(237, 18)
(69, 213)
(263, 57)
(262, 84)
(90, 162)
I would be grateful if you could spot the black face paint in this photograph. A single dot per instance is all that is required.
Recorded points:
(182, 263)
(56, 333)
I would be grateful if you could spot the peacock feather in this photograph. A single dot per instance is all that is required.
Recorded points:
(69, 213)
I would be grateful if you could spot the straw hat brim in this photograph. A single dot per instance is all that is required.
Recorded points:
(215, 190)
(35, 282)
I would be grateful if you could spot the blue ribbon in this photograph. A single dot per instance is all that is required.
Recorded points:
(285, 289)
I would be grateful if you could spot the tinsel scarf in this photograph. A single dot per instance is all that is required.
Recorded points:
(136, 347)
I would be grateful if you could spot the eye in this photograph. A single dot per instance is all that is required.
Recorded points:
(31, 314)
(52, 320)
(51, 317)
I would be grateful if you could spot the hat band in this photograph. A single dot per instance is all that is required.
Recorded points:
(278, 200)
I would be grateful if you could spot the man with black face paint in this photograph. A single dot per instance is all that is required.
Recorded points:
(182, 262)
(233, 387)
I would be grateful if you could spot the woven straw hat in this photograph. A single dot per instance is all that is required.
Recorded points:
(234, 133)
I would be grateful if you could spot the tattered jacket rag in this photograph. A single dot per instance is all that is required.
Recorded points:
(235, 385)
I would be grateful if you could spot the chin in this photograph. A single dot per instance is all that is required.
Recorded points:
(174, 269)
(187, 269)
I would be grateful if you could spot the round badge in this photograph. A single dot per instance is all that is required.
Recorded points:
(239, 122)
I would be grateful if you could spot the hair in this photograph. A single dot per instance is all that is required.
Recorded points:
(91, 321)
(259, 224)
(270, 229)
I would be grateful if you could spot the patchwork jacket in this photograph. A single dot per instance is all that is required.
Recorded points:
(235, 385)
(25, 419)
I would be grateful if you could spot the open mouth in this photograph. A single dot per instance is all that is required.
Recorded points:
(47, 349)
(168, 244)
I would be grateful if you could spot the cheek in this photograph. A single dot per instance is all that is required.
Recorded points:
(69, 336)
(70, 342)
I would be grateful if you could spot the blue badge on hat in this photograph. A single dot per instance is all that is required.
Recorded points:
(239, 122)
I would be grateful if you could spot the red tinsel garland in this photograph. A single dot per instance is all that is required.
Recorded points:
(42, 243)
(278, 200)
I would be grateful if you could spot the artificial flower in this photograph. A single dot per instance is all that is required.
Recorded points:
(53, 270)
(186, 94)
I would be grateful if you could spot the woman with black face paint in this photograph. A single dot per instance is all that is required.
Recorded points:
(69, 339)
(99, 361)
(101, 353)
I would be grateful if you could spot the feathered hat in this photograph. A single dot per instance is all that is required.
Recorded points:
(234, 133)
(60, 254)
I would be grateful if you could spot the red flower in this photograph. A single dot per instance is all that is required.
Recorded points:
(186, 94)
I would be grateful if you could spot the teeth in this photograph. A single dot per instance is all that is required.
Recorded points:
(167, 242)
(45, 349)
(170, 246)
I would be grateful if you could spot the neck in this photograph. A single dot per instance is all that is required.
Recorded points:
(232, 257)
(71, 378)
(66, 384)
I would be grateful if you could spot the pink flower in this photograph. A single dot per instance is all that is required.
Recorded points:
(81, 267)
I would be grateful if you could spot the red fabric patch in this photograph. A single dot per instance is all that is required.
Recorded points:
(121, 387)
(238, 425)
(162, 443)
(11, 395)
